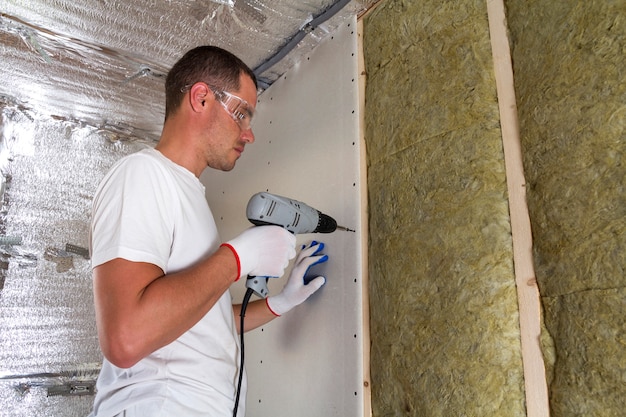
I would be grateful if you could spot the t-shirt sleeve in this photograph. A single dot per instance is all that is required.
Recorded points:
(132, 214)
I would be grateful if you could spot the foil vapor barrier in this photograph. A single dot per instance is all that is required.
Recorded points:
(49, 354)
(104, 63)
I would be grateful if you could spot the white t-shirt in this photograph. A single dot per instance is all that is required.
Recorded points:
(149, 209)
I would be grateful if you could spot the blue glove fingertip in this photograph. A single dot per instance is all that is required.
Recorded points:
(322, 259)
(320, 247)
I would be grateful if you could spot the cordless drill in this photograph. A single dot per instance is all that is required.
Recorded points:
(297, 217)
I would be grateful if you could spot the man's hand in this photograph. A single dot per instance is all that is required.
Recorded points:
(263, 251)
(296, 290)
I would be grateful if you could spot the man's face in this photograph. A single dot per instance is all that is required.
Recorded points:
(229, 137)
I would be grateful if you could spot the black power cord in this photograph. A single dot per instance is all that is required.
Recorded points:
(242, 314)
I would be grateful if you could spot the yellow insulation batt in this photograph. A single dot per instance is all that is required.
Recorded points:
(444, 312)
(570, 78)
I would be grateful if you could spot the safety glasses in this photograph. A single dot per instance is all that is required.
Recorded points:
(238, 108)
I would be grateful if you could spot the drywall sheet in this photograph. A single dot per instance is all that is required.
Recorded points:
(310, 361)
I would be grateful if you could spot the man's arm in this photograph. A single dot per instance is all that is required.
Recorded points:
(257, 314)
(139, 309)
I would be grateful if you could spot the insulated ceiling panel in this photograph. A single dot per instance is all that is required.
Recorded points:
(102, 62)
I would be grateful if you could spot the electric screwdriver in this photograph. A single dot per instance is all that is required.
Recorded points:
(297, 217)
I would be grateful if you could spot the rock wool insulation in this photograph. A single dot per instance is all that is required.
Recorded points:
(444, 312)
(570, 77)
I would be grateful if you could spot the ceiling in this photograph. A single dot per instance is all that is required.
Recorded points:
(103, 62)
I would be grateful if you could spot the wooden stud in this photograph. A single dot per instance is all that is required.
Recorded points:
(537, 404)
(367, 385)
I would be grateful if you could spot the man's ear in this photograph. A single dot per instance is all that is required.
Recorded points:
(198, 95)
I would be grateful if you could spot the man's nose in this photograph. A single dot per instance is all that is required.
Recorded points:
(247, 135)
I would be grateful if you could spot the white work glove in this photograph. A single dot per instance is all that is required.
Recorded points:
(263, 251)
(297, 288)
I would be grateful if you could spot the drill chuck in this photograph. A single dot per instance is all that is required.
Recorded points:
(325, 224)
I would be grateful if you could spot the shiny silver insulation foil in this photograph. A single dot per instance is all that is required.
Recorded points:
(49, 354)
(104, 62)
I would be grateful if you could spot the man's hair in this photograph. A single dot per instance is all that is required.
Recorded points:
(210, 64)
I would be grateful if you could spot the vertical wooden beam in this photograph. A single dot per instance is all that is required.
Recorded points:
(369, 8)
(537, 404)
(367, 384)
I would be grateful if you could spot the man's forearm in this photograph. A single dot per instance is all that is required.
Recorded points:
(257, 314)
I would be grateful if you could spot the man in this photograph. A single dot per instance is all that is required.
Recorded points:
(161, 275)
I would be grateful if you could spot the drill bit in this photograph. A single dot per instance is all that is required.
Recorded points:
(346, 229)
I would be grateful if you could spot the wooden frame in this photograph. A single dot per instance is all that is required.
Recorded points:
(537, 404)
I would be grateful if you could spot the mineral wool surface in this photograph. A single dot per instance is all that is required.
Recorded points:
(444, 315)
(569, 60)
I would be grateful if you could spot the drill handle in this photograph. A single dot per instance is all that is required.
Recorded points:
(258, 285)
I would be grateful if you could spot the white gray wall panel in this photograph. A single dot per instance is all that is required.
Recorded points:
(309, 362)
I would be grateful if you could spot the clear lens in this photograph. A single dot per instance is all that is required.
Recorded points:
(238, 108)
